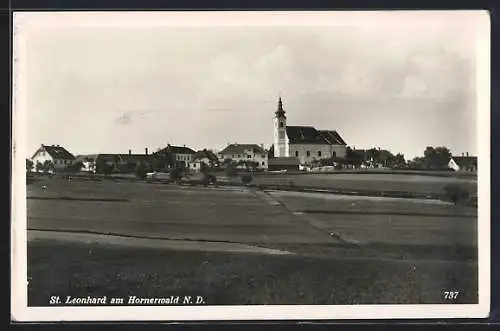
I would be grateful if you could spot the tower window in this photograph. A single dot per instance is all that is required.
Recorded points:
(319, 153)
(308, 153)
(296, 153)
(281, 124)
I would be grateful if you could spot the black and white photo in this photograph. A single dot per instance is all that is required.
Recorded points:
(250, 165)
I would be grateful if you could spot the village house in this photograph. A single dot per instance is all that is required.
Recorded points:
(463, 163)
(181, 154)
(126, 163)
(88, 162)
(57, 155)
(203, 158)
(305, 142)
(245, 153)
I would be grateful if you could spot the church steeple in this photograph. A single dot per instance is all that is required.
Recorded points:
(280, 112)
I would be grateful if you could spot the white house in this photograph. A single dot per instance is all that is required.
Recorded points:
(203, 158)
(463, 163)
(305, 142)
(56, 154)
(181, 154)
(245, 153)
(88, 162)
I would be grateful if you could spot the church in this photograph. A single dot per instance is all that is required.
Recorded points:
(305, 143)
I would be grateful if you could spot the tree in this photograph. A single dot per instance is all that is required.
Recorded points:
(437, 158)
(103, 167)
(399, 161)
(230, 169)
(141, 170)
(354, 158)
(39, 166)
(29, 165)
(48, 166)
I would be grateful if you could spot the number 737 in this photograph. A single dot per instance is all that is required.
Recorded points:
(450, 295)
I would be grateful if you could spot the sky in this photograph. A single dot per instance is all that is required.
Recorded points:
(109, 83)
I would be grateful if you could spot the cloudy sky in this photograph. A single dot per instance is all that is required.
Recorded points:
(401, 81)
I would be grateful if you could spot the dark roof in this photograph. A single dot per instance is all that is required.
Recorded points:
(58, 152)
(176, 150)
(205, 153)
(86, 157)
(464, 161)
(241, 148)
(332, 137)
(309, 135)
(125, 158)
(280, 112)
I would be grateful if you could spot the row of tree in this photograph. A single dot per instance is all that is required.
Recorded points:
(48, 166)
(434, 158)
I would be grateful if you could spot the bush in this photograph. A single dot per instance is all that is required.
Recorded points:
(246, 179)
(456, 193)
(141, 172)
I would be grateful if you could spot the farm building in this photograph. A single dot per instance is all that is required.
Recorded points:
(305, 142)
(129, 162)
(463, 163)
(57, 155)
(181, 154)
(203, 158)
(241, 153)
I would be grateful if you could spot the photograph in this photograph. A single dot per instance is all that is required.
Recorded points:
(261, 165)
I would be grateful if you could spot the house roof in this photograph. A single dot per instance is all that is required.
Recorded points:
(241, 148)
(309, 135)
(58, 152)
(205, 154)
(462, 161)
(125, 158)
(176, 150)
(86, 157)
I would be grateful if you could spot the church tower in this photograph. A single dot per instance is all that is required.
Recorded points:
(281, 147)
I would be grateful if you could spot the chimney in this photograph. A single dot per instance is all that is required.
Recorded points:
(146, 151)
(129, 152)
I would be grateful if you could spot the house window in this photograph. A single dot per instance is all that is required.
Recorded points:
(64, 161)
(239, 156)
(263, 163)
(249, 156)
(297, 153)
(319, 153)
(308, 153)
(334, 154)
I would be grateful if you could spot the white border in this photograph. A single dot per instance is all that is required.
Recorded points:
(22, 313)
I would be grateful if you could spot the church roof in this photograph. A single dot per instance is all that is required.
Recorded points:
(332, 137)
(309, 135)
(280, 112)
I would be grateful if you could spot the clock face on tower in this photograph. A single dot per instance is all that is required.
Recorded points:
(282, 135)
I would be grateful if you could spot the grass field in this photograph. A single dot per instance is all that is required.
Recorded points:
(225, 279)
(408, 251)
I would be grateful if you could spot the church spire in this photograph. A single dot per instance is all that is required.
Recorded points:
(280, 111)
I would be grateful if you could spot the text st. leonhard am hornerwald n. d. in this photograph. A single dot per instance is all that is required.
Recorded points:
(127, 300)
